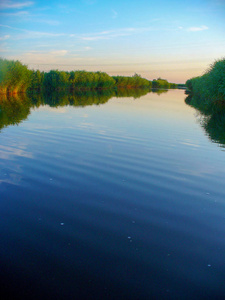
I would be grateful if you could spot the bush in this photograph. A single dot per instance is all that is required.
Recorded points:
(210, 87)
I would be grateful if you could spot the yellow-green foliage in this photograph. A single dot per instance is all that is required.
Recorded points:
(14, 76)
(132, 82)
(14, 108)
(91, 80)
(163, 84)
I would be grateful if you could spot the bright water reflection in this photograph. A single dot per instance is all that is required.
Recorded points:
(121, 200)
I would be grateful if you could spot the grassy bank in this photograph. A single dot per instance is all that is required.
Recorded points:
(209, 88)
(16, 78)
(207, 95)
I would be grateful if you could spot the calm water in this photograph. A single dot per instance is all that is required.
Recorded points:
(121, 200)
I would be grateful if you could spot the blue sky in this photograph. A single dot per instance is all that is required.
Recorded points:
(173, 39)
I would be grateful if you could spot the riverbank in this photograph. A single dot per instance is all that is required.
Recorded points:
(209, 89)
(207, 95)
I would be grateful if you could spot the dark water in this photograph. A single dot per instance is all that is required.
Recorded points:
(121, 200)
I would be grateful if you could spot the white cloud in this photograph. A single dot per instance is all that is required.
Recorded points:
(25, 34)
(109, 34)
(5, 37)
(93, 38)
(59, 52)
(87, 48)
(48, 60)
(203, 27)
(4, 4)
(15, 14)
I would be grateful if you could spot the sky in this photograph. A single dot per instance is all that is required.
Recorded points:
(175, 40)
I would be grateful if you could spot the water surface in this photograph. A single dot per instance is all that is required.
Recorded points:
(120, 200)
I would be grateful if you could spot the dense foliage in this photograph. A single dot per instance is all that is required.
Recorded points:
(131, 82)
(16, 77)
(209, 88)
(207, 95)
(163, 84)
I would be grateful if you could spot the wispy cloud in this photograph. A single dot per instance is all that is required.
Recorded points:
(115, 14)
(53, 59)
(5, 4)
(203, 27)
(32, 34)
(15, 14)
(103, 35)
(59, 52)
(5, 37)
(109, 34)
(10, 27)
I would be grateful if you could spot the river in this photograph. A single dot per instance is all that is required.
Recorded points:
(110, 197)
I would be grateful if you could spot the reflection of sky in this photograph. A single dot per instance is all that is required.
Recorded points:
(10, 167)
(8, 153)
(162, 128)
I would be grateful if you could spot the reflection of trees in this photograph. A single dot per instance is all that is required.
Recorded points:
(212, 118)
(159, 91)
(215, 127)
(135, 93)
(16, 108)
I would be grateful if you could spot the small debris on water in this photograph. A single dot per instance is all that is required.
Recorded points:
(61, 224)
(129, 237)
(209, 265)
(50, 179)
(207, 193)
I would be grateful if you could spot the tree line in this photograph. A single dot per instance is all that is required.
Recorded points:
(16, 78)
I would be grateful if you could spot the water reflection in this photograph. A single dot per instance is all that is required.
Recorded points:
(16, 108)
(212, 119)
(159, 91)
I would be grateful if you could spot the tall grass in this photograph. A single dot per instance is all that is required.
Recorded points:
(207, 95)
(210, 87)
